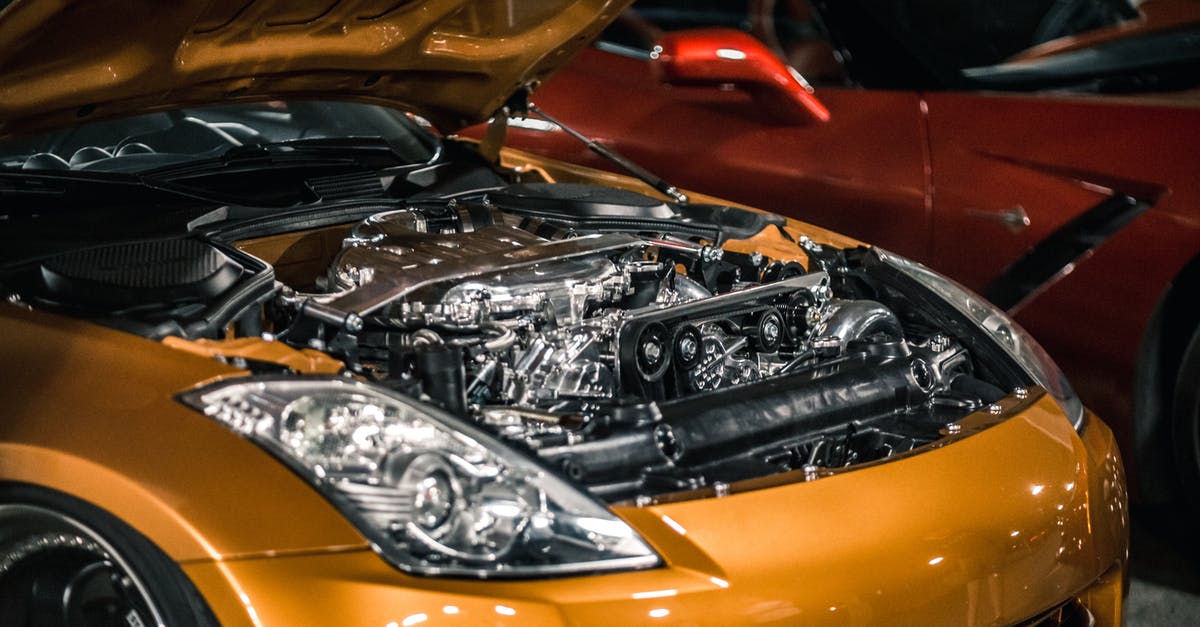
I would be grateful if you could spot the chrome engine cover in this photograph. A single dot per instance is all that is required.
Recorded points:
(390, 255)
(561, 331)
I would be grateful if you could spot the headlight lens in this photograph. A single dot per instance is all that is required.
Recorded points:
(435, 494)
(1007, 333)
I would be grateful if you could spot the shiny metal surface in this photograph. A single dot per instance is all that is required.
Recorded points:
(850, 320)
(394, 275)
(560, 289)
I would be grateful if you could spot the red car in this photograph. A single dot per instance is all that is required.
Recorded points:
(1044, 154)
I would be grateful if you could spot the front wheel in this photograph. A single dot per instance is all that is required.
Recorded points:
(1186, 424)
(66, 562)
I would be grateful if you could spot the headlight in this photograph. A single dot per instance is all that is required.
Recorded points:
(1021, 346)
(434, 494)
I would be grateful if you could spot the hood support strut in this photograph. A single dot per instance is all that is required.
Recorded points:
(617, 158)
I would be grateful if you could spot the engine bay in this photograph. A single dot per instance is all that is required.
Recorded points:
(605, 332)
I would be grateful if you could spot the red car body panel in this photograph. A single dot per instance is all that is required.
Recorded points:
(864, 159)
(1093, 319)
(931, 176)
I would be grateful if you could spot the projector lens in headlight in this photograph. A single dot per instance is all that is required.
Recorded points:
(435, 494)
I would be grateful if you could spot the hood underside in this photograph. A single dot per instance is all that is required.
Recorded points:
(452, 61)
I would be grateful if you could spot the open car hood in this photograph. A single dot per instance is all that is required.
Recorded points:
(452, 61)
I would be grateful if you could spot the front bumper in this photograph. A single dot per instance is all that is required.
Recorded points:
(1001, 527)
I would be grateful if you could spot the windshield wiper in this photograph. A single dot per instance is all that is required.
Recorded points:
(320, 165)
(68, 190)
(370, 153)
(615, 157)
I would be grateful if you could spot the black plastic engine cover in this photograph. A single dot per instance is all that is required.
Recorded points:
(137, 273)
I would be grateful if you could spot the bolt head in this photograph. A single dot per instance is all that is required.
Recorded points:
(652, 351)
(770, 331)
(688, 348)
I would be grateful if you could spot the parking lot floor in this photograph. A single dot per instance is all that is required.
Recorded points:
(1165, 566)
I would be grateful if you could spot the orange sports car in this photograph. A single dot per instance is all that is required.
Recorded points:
(276, 351)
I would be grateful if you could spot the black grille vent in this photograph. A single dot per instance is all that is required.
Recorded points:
(1069, 614)
(343, 186)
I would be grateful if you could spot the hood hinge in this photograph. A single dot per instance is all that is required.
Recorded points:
(497, 126)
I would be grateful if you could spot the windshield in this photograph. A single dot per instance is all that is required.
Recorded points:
(971, 33)
(153, 140)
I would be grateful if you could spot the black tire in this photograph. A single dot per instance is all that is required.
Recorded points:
(66, 562)
(1185, 410)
